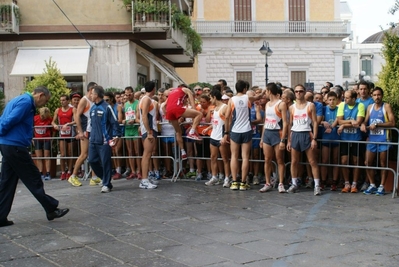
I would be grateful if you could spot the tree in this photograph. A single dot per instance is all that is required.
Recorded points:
(54, 81)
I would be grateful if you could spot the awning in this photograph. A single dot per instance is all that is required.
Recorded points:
(168, 72)
(70, 61)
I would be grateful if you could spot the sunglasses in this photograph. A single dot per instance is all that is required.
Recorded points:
(299, 91)
(198, 89)
(107, 100)
(207, 90)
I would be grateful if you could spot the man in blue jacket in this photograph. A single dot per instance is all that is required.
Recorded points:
(103, 124)
(16, 131)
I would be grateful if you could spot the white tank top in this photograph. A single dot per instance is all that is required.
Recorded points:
(217, 124)
(241, 113)
(272, 117)
(152, 116)
(301, 119)
(167, 128)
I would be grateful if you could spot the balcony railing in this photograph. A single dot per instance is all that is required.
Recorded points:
(9, 18)
(151, 15)
(271, 27)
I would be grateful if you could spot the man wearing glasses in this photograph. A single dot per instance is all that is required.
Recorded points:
(302, 139)
(16, 131)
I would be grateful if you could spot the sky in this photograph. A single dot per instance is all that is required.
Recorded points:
(367, 16)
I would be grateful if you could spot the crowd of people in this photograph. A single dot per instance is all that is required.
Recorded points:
(248, 130)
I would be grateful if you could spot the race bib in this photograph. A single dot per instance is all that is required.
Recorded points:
(130, 115)
(215, 122)
(350, 130)
(270, 124)
(40, 131)
(66, 130)
(377, 131)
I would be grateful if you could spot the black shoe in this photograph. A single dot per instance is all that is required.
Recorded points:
(6, 223)
(58, 213)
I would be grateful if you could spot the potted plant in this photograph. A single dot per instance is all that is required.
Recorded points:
(128, 5)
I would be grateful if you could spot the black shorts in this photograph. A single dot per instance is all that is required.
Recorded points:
(351, 149)
(42, 144)
(154, 133)
(203, 147)
(300, 141)
(271, 137)
(241, 138)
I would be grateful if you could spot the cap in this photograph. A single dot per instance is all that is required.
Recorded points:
(225, 97)
(143, 90)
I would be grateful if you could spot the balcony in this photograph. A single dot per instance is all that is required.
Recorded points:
(172, 18)
(9, 18)
(268, 28)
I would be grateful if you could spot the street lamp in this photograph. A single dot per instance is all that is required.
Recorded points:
(265, 50)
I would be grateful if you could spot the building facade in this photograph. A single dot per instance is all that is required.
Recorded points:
(114, 43)
(305, 37)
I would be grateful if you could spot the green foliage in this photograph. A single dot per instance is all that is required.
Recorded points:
(183, 22)
(2, 104)
(54, 81)
(388, 78)
(192, 85)
(5, 10)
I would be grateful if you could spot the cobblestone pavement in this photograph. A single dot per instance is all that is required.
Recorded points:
(189, 224)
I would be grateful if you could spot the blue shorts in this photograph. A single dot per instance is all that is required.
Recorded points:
(168, 140)
(241, 138)
(271, 138)
(300, 141)
(377, 148)
(215, 142)
(154, 133)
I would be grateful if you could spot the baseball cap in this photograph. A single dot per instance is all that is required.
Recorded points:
(75, 94)
(225, 97)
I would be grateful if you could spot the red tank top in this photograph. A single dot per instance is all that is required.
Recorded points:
(63, 118)
(176, 98)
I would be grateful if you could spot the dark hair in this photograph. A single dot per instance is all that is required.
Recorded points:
(217, 87)
(129, 88)
(379, 89)
(66, 96)
(216, 94)
(223, 82)
(241, 86)
(330, 84)
(371, 85)
(332, 93)
(111, 96)
(90, 86)
(353, 93)
(272, 87)
(149, 86)
(99, 90)
(161, 90)
(117, 93)
(300, 85)
(42, 89)
(367, 84)
(206, 97)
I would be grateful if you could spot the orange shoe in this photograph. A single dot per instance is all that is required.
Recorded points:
(354, 189)
(346, 189)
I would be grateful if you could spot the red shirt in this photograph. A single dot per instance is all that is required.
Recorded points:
(176, 98)
(40, 127)
(65, 117)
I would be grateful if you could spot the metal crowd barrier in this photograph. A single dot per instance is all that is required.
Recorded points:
(178, 163)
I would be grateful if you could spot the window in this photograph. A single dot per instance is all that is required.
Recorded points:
(243, 15)
(366, 66)
(346, 71)
(245, 76)
(297, 16)
(298, 77)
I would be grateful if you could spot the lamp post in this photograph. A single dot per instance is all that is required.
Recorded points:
(267, 52)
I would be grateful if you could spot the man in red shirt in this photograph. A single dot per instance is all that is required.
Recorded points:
(175, 110)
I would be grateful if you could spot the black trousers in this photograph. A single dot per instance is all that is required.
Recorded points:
(18, 164)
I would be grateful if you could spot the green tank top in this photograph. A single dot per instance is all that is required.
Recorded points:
(130, 114)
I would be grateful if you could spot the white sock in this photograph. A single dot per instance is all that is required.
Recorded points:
(192, 131)
(213, 176)
(316, 182)
(118, 170)
(145, 181)
(295, 181)
(373, 185)
(192, 170)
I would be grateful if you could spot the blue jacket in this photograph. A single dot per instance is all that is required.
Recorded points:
(16, 123)
(104, 123)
